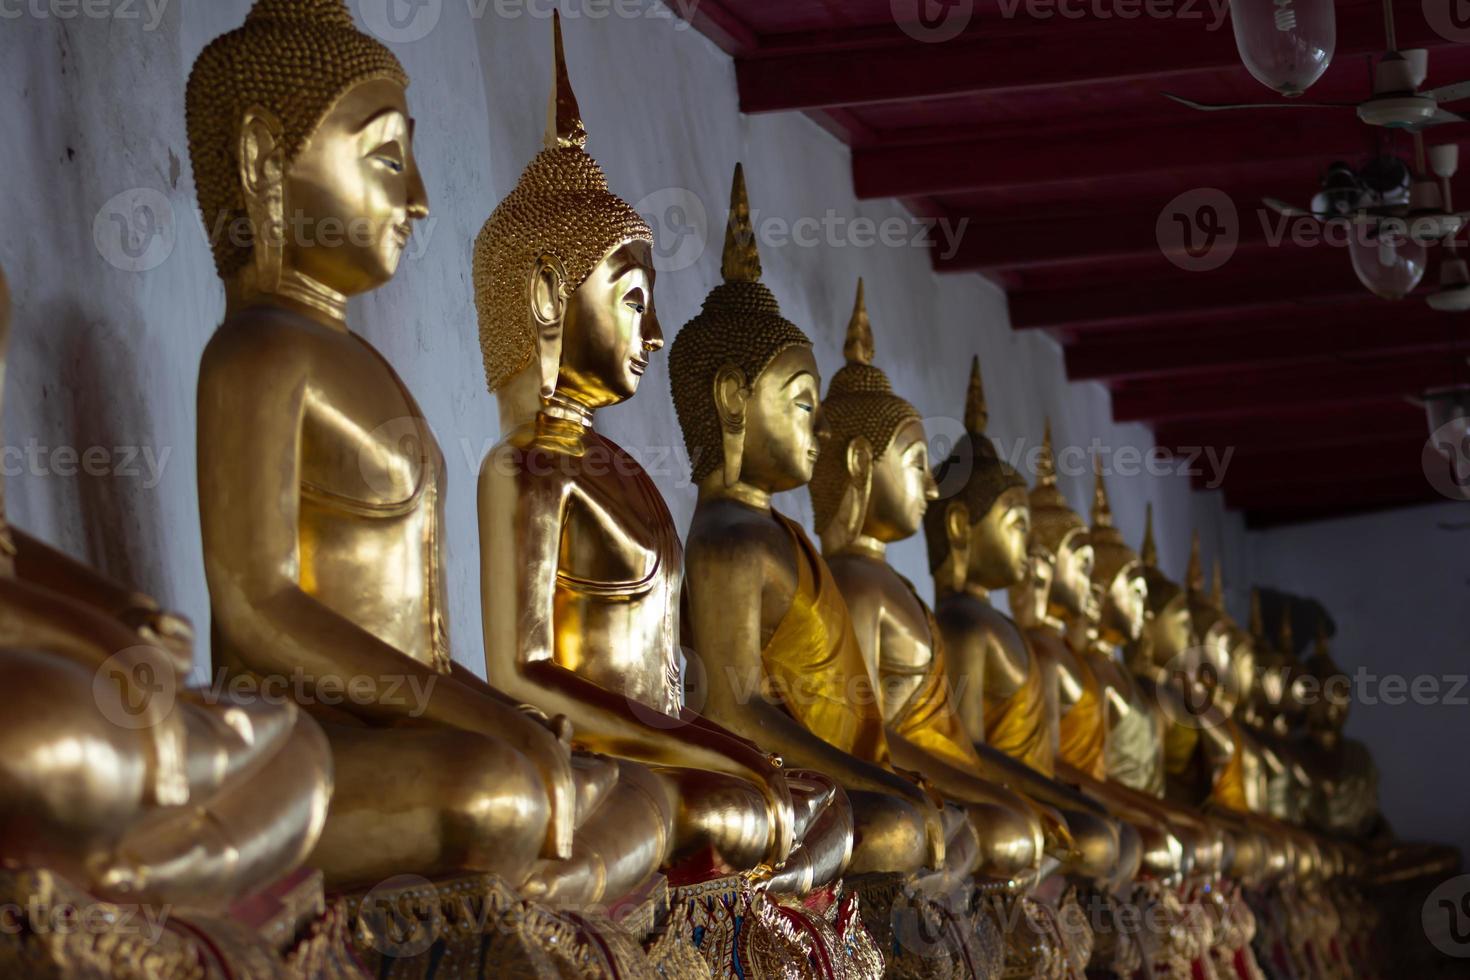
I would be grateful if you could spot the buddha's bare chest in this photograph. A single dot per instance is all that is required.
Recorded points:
(617, 535)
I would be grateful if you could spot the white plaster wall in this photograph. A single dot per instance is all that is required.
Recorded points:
(103, 357)
(1397, 586)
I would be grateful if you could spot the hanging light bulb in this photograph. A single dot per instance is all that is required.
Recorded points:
(1285, 44)
(1386, 259)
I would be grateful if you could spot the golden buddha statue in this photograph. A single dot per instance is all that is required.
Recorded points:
(1271, 710)
(581, 567)
(765, 613)
(1344, 801)
(113, 775)
(321, 489)
(870, 487)
(977, 542)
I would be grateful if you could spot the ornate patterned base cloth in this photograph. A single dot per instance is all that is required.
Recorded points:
(1044, 940)
(742, 932)
(925, 931)
(52, 930)
(475, 927)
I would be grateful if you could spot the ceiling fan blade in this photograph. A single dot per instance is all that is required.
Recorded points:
(1286, 210)
(1440, 117)
(1215, 107)
(1450, 93)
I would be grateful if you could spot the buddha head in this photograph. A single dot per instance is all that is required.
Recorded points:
(1327, 712)
(1169, 628)
(1030, 597)
(302, 148)
(1213, 663)
(744, 379)
(1117, 573)
(1060, 534)
(872, 477)
(978, 535)
(563, 273)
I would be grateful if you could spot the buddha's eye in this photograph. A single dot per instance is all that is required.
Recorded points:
(390, 156)
(806, 406)
(638, 308)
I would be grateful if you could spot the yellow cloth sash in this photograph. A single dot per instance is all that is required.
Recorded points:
(1229, 787)
(927, 717)
(814, 665)
(1135, 755)
(1016, 725)
(1084, 728)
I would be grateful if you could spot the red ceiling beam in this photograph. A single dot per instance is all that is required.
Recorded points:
(999, 54)
(1370, 329)
(1295, 428)
(1320, 276)
(1370, 457)
(1324, 498)
(1175, 143)
(1264, 393)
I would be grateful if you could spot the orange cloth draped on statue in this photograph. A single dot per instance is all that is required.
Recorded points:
(1084, 729)
(927, 717)
(1016, 725)
(814, 665)
(1229, 788)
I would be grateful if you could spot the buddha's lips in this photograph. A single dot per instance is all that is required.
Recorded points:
(638, 366)
(404, 232)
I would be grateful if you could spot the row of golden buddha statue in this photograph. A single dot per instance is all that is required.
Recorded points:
(869, 787)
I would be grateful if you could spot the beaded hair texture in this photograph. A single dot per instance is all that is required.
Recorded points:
(859, 402)
(974, 474)
(1112, 555)
(740, 324)
(1053, 522)
(293, 58)
(561, 207)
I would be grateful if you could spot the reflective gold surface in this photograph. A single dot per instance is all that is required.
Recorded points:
(581, 568)
(322, 491)
(114, 775)
(781, 664)
(871, 487)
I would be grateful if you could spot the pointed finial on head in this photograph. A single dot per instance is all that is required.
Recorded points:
(564, 125)
(742, 261)
(1288, 642)
(1046, 464)
(977, 414)
(1150, 548)
(1196, 574)
(1102, 511)
(1217, 590)
(858, 349)
(1258, 620)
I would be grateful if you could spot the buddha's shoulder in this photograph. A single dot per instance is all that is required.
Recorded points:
(725, 529)
(264, 337)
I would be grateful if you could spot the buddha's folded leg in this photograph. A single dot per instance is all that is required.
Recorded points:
(824, 827)
(253, 830)
(620, 841)
(725, 814)
(429, 801)
(890, 834)
(1097, 845)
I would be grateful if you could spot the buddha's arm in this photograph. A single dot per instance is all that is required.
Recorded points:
(252, 397)
(726, 582)
(1021, 778)
(520, 548)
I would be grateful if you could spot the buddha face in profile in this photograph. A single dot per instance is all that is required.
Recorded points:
(1125, 605)
(1073, 579)
(902, 486)
(606, 328)
(998, 542)
(783, 426)
(352, 193)
(1172, 629)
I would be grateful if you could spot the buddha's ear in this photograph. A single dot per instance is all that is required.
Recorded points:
(852, 511)
(731, 394)
(957, 530)
(548, 294)
(262, 161)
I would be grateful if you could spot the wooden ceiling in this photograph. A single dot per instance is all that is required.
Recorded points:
(1051, 136)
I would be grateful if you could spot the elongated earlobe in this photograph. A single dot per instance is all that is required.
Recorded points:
(263, 182)
(957, 526)
(548, 311)
(731, 394)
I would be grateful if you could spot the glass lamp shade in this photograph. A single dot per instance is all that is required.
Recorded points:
(1285, 44)
(1389, 263)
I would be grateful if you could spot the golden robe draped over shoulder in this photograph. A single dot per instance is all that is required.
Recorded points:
(927, 717)
(1229, 786)
(1135, 752)
(814, 665)
(1016, 725)
(1084, 728)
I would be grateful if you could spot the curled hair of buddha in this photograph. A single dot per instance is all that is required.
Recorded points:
(1112, 556)
(562, 208)
(974, 474)
(293, 58)
(740, 325)
(1162, 590)
(1053, 522)
(859, 402)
